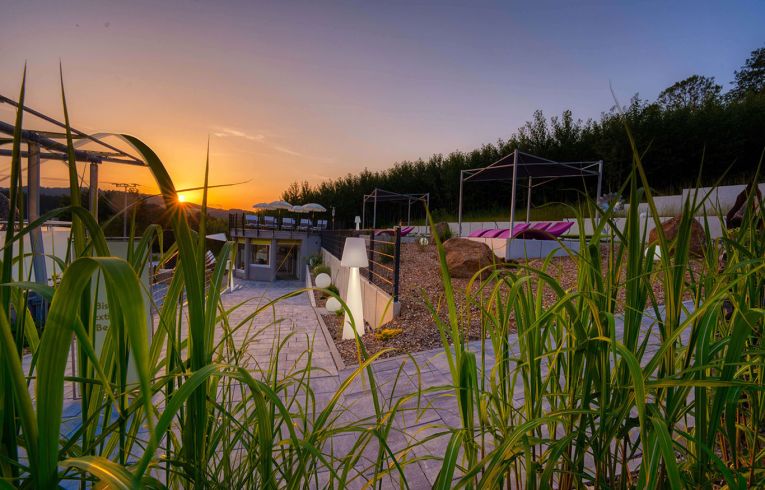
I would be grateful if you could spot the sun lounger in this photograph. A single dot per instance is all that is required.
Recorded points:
(304, 224)
(406, 230)
(543, 226)
(478, 233)
(492, 233)
(517, 228)
(251, 221)
(321, 224)
(558, 229)
(269, 222)
(288, 223)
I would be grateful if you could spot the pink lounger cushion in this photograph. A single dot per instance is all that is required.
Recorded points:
(477, 233)
(559, 229)
(406, 230)
(492, 233)
(543, 226)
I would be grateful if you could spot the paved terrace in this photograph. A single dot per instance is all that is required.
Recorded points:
(429, 416)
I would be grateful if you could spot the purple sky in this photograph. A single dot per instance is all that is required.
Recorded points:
(312, 90)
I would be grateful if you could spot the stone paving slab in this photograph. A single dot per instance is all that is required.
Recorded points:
(429, 415)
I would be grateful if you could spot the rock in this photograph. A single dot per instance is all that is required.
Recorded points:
(697, 239)
(735, 215)
(466, 257)
(443, 231)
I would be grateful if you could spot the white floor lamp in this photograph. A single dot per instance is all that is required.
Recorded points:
(354, 256)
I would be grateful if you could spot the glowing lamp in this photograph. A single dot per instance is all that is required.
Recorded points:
(354, 256)
(333, 305)
(323, 281)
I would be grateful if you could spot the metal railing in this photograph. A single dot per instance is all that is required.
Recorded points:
(384, 252)
(239, 222)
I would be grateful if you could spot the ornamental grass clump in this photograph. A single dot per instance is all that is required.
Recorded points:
(188, 407)
(609, 384)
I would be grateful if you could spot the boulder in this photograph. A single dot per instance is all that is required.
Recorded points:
(442, 230)
(735, 215)
(670, 227)
(466, 257)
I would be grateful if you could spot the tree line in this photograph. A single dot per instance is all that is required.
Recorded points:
(693, 128)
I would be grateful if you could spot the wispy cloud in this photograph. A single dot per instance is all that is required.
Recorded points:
(287, 151)
(226, 132)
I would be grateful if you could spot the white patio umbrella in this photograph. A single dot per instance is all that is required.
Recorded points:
(314, 207)
(299, 209)
(263, 206)
(280, 205)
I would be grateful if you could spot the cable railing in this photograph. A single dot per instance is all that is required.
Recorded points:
(384, 253)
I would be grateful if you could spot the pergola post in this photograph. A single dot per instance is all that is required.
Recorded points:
(33, 212)
(600, 179)
(363, 212)
(374, 212)
(528, 203)
(512, 201)
(93, 191)
(459, 208)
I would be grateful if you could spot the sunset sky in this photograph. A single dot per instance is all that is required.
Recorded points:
(313, 90)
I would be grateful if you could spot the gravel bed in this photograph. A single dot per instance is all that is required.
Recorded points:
(421, 283)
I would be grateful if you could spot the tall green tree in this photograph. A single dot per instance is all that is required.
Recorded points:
(691, 93)
(750, 79)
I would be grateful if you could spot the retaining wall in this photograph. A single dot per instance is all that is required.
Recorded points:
(378, 305)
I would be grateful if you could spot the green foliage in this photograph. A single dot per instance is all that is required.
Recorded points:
(384, 334)
(674, 393)
(314, 260)
(689, 124)
(334, 290)
(750, 80)
(321, 269)
(692, 93)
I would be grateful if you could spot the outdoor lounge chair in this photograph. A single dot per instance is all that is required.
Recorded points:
(251, 221)
(305, 223)
(517, 228)
(288, 223)
(321, 224)
(269, 222)
(478, 233)
(543, 226)
(558, 229)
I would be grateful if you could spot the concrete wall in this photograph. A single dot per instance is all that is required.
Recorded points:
(528, 249)
(310, 244)
(378, 305)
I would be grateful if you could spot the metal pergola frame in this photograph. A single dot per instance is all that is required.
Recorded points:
(45, 145)
(381, 195)
(532, 167)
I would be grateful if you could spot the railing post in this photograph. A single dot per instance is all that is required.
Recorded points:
(396, 263)
(372, 258)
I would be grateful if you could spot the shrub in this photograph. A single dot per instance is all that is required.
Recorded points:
(314, 260)
(321, 269)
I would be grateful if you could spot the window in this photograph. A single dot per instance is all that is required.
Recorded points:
(260, 254)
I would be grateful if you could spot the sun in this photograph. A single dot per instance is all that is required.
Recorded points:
(181, 198)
